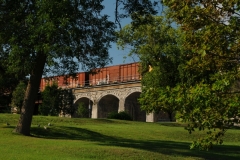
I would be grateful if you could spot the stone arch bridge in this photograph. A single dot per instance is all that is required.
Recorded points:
(104, 99)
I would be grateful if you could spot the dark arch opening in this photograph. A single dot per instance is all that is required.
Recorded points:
(106, 105)
(132, 107)
(82, 109)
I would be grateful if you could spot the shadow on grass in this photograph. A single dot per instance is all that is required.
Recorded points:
(172, 124)
(176, 124)
(8, 127)
(164, 147)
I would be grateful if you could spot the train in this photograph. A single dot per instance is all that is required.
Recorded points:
(101, 76)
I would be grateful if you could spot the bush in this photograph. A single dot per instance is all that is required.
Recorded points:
(18, 96)
(121, 115)
(82, 110)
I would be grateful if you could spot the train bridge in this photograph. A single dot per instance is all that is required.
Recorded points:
(115, 97)
(111, 89)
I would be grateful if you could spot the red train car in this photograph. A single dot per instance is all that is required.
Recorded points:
(65, 81)
(106, 75)
(115, 74)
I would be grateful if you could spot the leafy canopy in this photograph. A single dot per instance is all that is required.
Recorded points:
(56, 101)
(68, 32)
(207, 99)
(158, 47)
(40, 35)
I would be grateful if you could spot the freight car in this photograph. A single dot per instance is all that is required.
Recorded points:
(102, 76)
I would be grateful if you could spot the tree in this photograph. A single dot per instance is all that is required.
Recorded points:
(66, 99)
(134, 8)
(158, 46)
(38, 34)
(206, 95)
(18, 96)
(56, 101)
(50, 101)
(8, 83)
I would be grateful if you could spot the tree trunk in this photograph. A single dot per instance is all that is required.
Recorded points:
(24, 123)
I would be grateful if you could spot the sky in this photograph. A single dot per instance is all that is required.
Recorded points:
(117, 55)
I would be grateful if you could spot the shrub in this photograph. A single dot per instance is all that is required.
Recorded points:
(121, 115)
(82, 110)
(56, 101)
(18, 96)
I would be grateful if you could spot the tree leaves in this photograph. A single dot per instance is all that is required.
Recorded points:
(158, 47)
(210, 72)
(56, 101)
(41, 35)
(69, 29)
(18, 96)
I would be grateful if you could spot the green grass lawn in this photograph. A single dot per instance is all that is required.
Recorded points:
(105, 139)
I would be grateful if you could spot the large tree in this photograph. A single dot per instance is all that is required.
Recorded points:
(208, 98)
(40, 33)
(158, 47)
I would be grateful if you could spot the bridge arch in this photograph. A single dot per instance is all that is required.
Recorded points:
(111, 92)
(107, 104)
(132, 107)
(126, 94)
(82, 105)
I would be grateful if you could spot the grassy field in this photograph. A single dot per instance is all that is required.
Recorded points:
(107, 139)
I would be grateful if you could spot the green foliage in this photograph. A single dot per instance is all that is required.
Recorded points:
(56, 101)
(208, 99)
(8, 83)
(66, 101)
(57, 32)
(82, 110)
(18, 96)
(50, 102)
(40, 36)
(122, 115)
(134, 8)
(158, 46)
(195, 69)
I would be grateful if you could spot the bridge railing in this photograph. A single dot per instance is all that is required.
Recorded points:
(103, 81)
